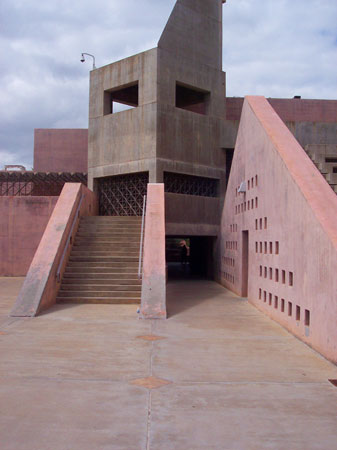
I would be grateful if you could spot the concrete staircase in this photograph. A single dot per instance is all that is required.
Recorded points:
(325, 159)
(103, 264)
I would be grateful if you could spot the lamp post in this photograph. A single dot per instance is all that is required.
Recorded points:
(93, 59)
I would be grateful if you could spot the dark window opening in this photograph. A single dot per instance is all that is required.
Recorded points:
(178, 183)
(331, 160)
(120, 99)
(229, 160)
(192, 99)
(334, 169)
(307, 318)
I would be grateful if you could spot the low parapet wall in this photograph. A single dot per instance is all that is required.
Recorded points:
(153, 303)
(22, 224)
(41, 285)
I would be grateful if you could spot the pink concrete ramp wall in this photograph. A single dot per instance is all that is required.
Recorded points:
(153, 300)
(279, 239)
(41, 285)
(64, 150)
(22, 223)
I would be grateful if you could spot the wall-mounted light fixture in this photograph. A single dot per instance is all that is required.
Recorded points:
(93, 59)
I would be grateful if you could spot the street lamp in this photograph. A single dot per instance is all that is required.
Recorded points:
(93, 59)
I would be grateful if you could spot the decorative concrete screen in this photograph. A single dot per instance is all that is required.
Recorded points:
(28, 183)
(122, 195)
(178, 183)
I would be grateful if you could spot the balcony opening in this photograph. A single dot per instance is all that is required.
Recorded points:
(192, 99)
(121, 98)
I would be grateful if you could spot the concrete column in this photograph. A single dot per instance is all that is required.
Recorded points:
(153, 302)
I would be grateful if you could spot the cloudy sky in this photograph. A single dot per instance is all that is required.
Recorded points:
(276, 48)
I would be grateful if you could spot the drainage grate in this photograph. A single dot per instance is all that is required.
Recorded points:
(334, 382)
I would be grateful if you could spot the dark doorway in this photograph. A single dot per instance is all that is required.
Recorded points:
(245, 263)
(199, 262)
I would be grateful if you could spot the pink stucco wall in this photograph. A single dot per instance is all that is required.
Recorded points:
(22, 223)
(290, 110)
(153, 301)
(63, 150)
(41, 285)
(289, 212)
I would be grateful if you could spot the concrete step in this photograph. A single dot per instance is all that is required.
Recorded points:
(100, 300)
(98, 293)
(121, 229)
(103, 253)
(121, 259)
(101, 273)
(104, 267)
(127, 246)
(111, 218)
(101, 263)
(88, 288)
(109, 236)
(97, 280)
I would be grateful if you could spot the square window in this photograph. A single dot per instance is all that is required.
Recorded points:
(121, 98)
(192, 99)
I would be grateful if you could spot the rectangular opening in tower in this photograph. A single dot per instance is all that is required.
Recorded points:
(192, 99)
(121, 98)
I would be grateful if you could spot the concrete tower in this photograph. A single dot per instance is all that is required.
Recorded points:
(175, 129)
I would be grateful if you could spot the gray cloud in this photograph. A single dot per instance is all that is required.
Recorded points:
(273, 48)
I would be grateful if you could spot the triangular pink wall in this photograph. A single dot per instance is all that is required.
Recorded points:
(289, 205)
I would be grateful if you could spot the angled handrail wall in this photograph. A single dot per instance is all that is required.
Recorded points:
(69, 239)
(40, 288)
(141, 240)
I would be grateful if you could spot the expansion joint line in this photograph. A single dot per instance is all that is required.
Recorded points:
(149, 398)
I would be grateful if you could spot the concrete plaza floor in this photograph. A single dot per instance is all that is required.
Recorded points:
(73, 378)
